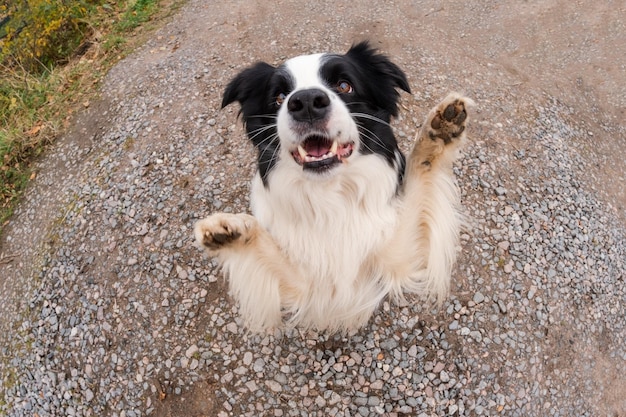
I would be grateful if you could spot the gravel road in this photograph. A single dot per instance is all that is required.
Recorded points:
(109, 310)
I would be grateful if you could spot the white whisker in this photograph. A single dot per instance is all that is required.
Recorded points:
(370, 117)
(371, 135)
(254, 133)
(268, 116)
(268, 139)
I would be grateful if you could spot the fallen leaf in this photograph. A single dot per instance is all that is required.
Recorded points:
(34, 130)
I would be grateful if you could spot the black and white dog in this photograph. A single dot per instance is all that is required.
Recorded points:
(340, 218)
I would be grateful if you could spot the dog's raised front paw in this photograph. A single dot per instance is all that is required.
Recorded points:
(221, 230)
(447, 119)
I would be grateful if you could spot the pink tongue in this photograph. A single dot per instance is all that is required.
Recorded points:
(317, 148)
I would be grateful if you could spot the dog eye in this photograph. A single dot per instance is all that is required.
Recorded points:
(280, 99)
(344, 87)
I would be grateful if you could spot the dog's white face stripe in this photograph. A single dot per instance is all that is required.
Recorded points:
(337, 125)
(305, 71)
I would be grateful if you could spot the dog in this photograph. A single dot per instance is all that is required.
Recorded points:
(341, 219)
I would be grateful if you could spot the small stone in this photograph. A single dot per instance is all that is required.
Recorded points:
(274, 386)
(476, 336)
(191, 351)
(182, 274)
(504, 246)
(360, 401)
(373, 401)
(259, 365)
(281, 378)
(377, 384)
(444, 377)
(478, 298)
(89, 395)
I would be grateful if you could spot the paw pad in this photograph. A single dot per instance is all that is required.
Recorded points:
(215, 240)
(220, 230)
(448, 122)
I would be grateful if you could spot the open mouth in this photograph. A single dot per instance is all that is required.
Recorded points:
(320, 153)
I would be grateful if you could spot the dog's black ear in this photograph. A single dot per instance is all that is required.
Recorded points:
(248, 84)
(376, 66)
(366, 54)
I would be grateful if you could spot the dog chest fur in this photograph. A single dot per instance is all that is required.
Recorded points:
(329, 228)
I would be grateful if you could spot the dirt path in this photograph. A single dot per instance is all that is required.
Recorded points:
(102, 241)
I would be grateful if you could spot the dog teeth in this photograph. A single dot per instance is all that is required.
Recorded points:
(308, 158)
(333, 149)
(302, 152)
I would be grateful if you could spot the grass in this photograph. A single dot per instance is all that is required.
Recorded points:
(36, 105)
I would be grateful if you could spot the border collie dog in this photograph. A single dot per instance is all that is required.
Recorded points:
(341, 218)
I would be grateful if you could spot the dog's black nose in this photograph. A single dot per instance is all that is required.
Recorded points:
(308, 105)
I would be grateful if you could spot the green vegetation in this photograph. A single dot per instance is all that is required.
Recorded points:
(53, 53)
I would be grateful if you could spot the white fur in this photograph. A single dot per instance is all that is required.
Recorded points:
(322, 250)
(305, 68)
(352, 213)
(340, 125)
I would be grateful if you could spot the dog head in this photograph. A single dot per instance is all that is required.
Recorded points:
(321, 111)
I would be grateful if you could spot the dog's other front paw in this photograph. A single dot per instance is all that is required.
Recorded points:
(447, 120)
(441, 133)
(222, 230)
